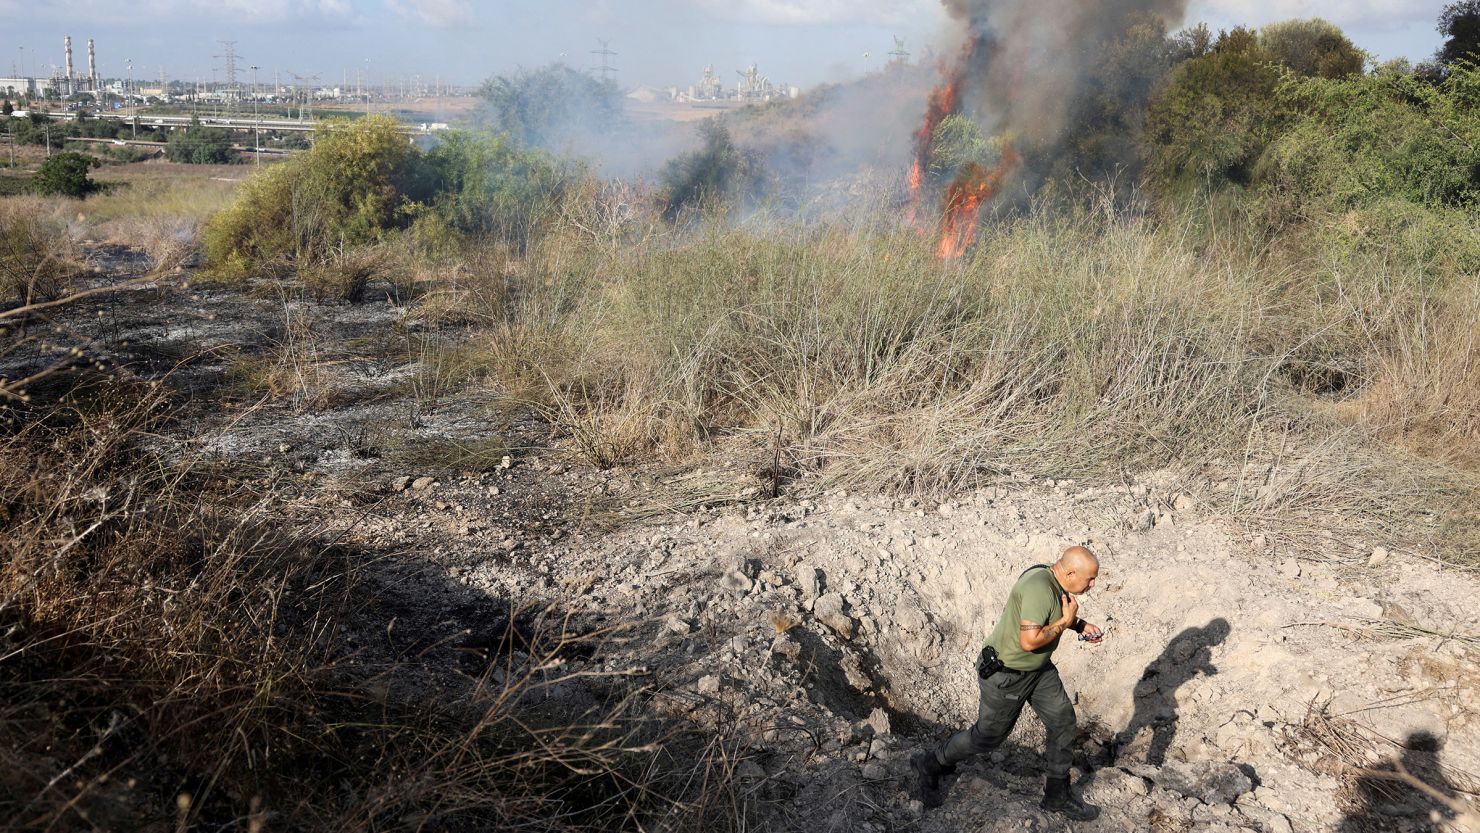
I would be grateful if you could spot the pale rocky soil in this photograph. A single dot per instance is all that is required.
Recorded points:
(834, 634)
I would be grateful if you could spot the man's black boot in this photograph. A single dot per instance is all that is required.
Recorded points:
(930, 778)
(1057, 798)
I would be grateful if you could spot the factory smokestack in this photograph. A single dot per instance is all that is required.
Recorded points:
(67, 47)
(92, 65)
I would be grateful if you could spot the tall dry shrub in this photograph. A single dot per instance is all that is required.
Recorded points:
(1425, 390)
(38, 258)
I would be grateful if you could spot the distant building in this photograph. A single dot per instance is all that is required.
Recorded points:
(24, 87)
(752, 87)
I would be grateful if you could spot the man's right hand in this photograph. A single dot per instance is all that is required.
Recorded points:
(1071, 611)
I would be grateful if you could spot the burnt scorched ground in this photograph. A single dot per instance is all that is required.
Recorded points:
(823, 635)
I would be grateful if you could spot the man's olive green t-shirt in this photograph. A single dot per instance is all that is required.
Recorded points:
(1035, 598)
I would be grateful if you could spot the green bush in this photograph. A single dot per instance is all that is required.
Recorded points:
(485, 185)
(199, 145)
(958, 142)
(718, 171)
(353, 188)
(1216, 114)
(1378, 137)
(547, 107)
(363, 182)
(65, 174)
(1312, 47)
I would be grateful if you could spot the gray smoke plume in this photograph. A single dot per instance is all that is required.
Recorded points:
(1030, 67)
(1035, 55)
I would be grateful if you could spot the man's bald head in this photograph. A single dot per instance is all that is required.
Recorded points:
(1077, 569)
(1079, 558)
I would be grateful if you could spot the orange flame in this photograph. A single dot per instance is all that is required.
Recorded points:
(964, 199)
(974, 186)
(944, 100)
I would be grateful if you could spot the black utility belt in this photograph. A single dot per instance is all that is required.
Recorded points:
(988, 663)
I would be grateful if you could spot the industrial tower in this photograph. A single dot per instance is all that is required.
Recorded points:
(71, 78)
(606, 69)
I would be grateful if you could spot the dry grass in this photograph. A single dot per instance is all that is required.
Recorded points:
(162, 190)
(290, 370)
(177, 654)
(446, 453)
(1425, 391)
(345, 274)
(1385, 778)
(1069, 344)
(38, 259)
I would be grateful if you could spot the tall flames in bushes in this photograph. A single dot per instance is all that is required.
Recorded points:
(1023, 73)
(974, 185)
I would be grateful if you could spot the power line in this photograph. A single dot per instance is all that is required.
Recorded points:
(606, 69)
(230, 57)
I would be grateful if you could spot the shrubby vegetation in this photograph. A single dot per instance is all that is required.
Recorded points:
(550, 106)
(1312, 48)
(959, 142)
(363, 183)
(65, 175)
(486, 185)
(200, 145)
(716, 173)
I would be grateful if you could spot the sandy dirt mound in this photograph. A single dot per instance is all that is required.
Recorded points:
(839, 635)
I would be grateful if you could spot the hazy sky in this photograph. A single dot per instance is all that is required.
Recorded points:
(659, 42)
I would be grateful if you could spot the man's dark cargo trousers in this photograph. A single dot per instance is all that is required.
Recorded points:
(1003, 695)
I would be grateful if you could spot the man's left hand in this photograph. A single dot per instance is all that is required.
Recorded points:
(1092, 633)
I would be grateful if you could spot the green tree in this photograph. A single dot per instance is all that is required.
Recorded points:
(65, 174)
(485, 185)
(1192, 42)
(1216, 114)
(549, 107)
(1459, 23)
(199, 145)
(1312, 47)
(719, 170)
(1108, 117)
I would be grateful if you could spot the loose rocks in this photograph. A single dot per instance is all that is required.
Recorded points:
(809, 580)
(878, 720)
(853, 671)
(1210, 782)
(785, 646)
(829, 611)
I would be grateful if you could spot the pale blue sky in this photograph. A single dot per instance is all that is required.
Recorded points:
(659, 42)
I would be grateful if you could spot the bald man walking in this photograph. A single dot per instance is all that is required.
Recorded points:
(1015, 668)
